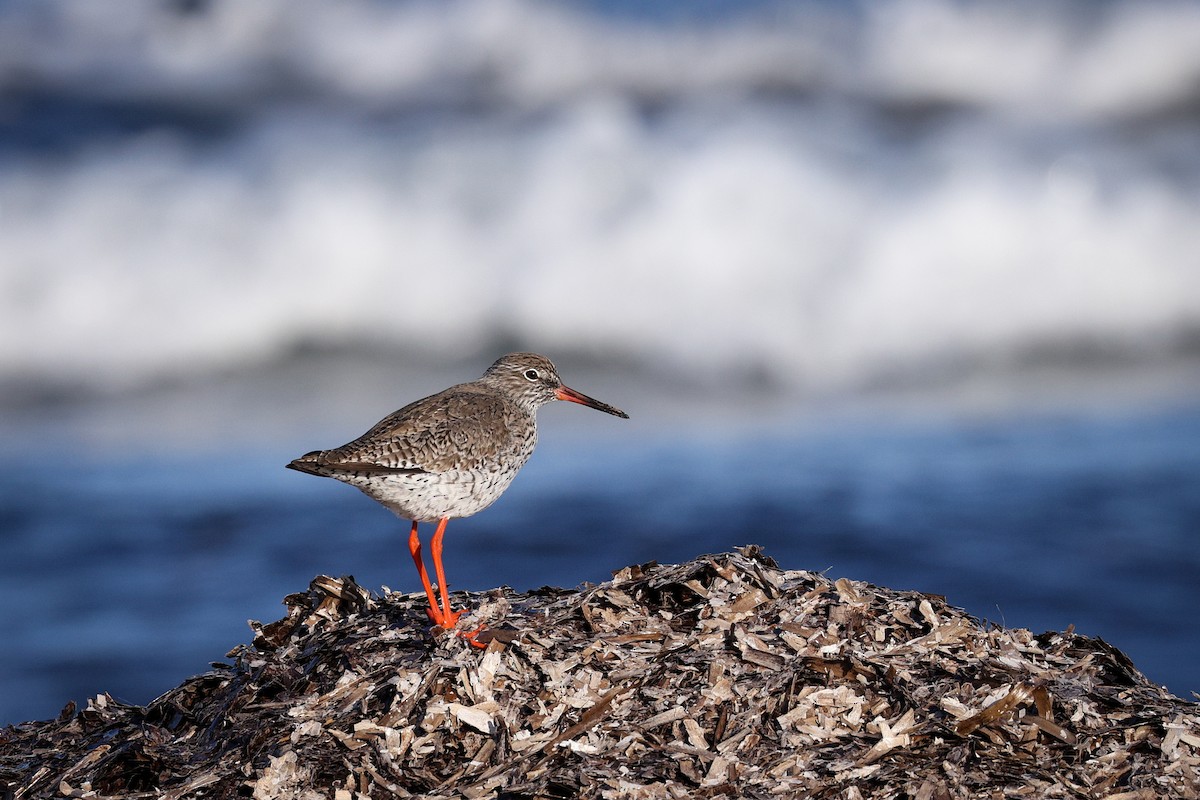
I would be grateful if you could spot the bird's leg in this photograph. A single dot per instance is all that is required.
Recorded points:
(449, 618)
(442, 617)
(414, 547)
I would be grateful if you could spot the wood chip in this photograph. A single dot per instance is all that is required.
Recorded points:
(722, 677)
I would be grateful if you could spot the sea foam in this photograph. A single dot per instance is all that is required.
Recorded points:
(823, 194)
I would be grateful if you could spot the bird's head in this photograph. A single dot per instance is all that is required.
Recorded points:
(533, 381)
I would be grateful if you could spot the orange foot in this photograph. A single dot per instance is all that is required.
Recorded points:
(447, 620)
(470, 637)
(443, 619)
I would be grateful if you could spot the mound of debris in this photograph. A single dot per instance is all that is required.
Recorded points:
(722, 677)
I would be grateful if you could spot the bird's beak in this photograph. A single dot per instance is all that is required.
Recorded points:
(565, 393)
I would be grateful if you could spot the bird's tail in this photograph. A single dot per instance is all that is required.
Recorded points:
(329, 464)
(313, 463)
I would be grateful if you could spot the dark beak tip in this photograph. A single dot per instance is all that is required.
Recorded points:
(570, 395)
(607, 409)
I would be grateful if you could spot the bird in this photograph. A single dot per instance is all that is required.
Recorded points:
(450, 455)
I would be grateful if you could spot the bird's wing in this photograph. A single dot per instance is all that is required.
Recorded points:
(456, 429)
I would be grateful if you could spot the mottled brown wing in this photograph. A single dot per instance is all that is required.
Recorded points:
(460, 428)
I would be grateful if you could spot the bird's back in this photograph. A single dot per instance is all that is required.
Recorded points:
(448, 455)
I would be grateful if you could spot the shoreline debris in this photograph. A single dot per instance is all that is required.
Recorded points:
(725, 676)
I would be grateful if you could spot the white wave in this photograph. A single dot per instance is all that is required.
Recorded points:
(816, 241)
(1042, 58)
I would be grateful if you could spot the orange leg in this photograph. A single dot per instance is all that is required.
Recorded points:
(414, 547)
(449, 618)
(442, 617)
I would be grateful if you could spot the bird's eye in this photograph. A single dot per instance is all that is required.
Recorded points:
(532, 374)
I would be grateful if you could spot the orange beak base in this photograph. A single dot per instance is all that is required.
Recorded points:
(572, 396)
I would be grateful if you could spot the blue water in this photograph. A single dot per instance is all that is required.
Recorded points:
(231, 233)
(128, 573)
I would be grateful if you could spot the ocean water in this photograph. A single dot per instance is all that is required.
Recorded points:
(908, 291)
(129, 570)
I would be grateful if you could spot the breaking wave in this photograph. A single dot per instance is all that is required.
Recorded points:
(822, 194)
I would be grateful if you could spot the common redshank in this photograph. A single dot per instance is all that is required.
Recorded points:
(450, 455)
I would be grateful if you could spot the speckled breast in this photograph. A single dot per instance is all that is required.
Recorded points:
(430, 496)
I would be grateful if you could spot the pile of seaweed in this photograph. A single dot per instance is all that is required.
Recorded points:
(722, 677)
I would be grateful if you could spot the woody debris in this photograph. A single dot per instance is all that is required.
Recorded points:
(722, 677)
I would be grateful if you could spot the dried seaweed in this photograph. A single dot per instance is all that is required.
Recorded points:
(721, 677)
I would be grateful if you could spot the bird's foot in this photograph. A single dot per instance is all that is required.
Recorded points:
(443, 619)
(470, 637)
(448, 620)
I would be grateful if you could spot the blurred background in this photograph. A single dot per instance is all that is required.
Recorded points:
(906, 291)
